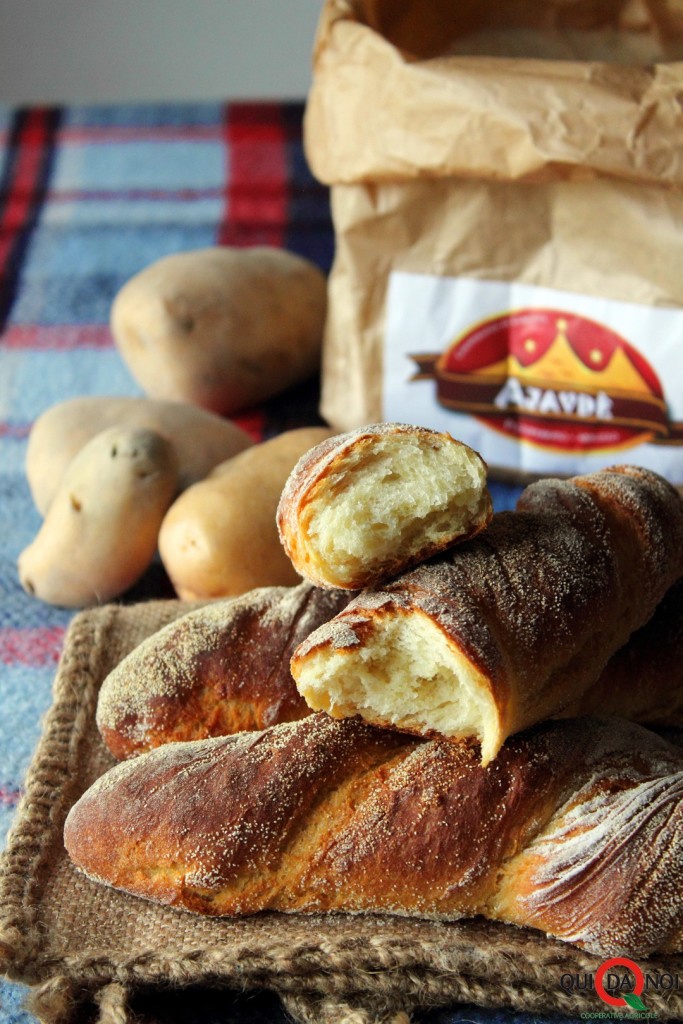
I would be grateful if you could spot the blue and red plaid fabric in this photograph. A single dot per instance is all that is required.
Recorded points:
(88, 197)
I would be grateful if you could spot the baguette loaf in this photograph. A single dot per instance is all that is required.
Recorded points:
(218, 669)
(512, 627)
(367, 504)
(576, 828)
(224, 668)
(643, 681)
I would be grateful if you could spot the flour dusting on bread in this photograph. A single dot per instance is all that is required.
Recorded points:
(216, 670)
(576, 828)
(511, 627)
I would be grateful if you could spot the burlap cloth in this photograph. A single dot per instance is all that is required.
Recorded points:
(80, 944)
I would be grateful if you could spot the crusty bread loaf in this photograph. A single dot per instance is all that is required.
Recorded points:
(576, 828)
(218, 669)
(511, 627)
(367, 504)
(224, 668)
(643, 681)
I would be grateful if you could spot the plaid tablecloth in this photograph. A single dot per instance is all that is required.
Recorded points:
(88, 197)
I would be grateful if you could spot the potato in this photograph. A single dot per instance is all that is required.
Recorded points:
(220, 537)
(100, 532)
(201, 439)
(222, 328)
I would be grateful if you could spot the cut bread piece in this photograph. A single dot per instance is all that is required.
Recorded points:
(368, 504)
(510, 628)
(404, 674)
(224, 668)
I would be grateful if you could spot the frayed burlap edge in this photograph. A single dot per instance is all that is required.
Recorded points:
(325, 983)
(47, 790)
(356, 982)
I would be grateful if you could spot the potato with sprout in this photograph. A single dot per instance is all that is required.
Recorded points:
(100, 532)
(201, 439)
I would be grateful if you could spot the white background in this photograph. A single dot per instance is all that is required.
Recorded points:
(66, 51)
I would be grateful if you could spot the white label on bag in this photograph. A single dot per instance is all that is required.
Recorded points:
(538, 380)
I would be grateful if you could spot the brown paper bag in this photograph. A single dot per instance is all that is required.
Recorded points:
(507, 195)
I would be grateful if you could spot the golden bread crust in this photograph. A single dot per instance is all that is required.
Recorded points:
(219, 669)
(535, 606)
(225, 668)
(576, 828)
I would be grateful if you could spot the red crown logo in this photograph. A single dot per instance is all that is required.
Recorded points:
(554, 379)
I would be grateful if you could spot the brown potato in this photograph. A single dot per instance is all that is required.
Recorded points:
(100, 532)
(220, 538)
(201, 439)
(222, 328)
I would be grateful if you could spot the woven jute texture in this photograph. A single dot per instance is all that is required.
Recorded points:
(81, 944)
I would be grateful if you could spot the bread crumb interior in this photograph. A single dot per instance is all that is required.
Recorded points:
(404, 675)
(409, 496)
